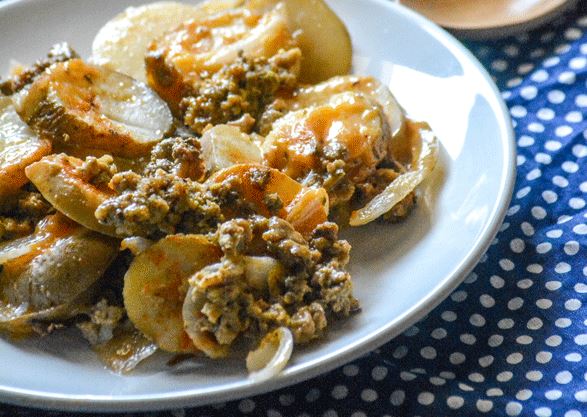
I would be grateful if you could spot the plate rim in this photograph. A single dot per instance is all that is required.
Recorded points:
(311, 369)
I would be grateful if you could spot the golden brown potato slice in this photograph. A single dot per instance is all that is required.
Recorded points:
(80, 105)
(121, 43)
(59, 179)
(320, 34)
(155, 287)
(19, 147)
(43, 275)
(175, 61)
(303, 207)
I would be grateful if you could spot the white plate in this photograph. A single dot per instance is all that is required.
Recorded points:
(400, 272)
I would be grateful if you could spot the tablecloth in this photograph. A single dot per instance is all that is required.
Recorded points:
(512, 339)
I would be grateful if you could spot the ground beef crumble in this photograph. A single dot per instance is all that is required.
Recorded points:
(242, 88)
(19, 214)
(312, 285)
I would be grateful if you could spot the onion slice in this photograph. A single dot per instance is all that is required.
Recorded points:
(271, 356)
(424, 156)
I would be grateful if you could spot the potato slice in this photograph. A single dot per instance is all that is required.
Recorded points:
(19, 147)
(44, 274)
(176, 61)
(121, 43)
(57, 178)
(224, 146)
(304, 207)
(320, 34)
(80, 105)
(156, 283)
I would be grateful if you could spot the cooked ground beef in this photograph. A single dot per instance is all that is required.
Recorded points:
(178, 156)
(59, 53)
(97, 171)
(20, 214)
(103, 320)
(307, 284)
(242, 88)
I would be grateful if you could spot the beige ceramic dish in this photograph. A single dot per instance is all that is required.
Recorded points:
(482, 19)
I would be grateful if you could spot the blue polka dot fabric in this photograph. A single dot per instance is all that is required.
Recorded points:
(512, 339)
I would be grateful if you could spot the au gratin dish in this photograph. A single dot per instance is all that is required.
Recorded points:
(182, 189)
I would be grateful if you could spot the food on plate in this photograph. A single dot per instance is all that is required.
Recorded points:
(183, 189)
(79, 105)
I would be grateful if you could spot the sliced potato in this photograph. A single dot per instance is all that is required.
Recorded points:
(304, 207)
(320, 34)
(176, 61)
(121, 43)
(57, 178)
(19, 147)
(44, 274)
(224, 146)
(156, 283)
(125, 350)
(80, 105)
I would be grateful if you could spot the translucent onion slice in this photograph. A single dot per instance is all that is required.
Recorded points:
(271, 356)
(125, 351)
(224, 146)
(424, 155)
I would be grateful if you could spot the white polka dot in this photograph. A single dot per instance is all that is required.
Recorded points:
(581, 100)
(448, 316)
(543, 158)
(580, 229)
(552, 145)
(525, 141)
(447, 375)
(369, 395)
(573, 357)
(246, 406)
(562, 49)
(520, 160)
(525, 68)
(496, 281)
(554, 234)
(536, 127)
(545, 114)
(573, 304)
(523, 394)
(468, 339)
(573, 413)
(534, 323)
(477, 320)
(515, 358)
(556, 96)
(563, 377)
(580, 151)
(573, 34)
(459, 296)
(484, 406)
(552, 285)
(570, 167)
(438, 333)
(583, 187)
(486, 361)
(553, 394)
(577, 63)
(571, 247)
(581, 339)
(567, 77)
(513, 408)
(562, 268)
(487, 301)
(534, 174)
(543, 357)
(539, 76)
(563, 219)
(397, 397)
(494, 392)
(543, 412)
(549, 196)
(504, 376)
(506, 264)
(350, 370)
(563, 131)
(505, 324)
(312, 395)
(358, 414)
(286, 400)
(457, 358)
(560, 181)
(535, 268)
(538, 212)
(515, 303)
(412, 331)
(529, 92)
(551, 62)
(581, 396)
(524, 340)
(499, 65)
(400, 352)
(437, 381)
(455, 402)
(428, 352)
(554, 341)
(511, 50)
(514, 82)
(525, 283)
(522, 192)
(581, 288)
(534, 376)
(275, 413)
(543, 303)
(495, 340)
(574, 116)
(562, 322)
(518, 111)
